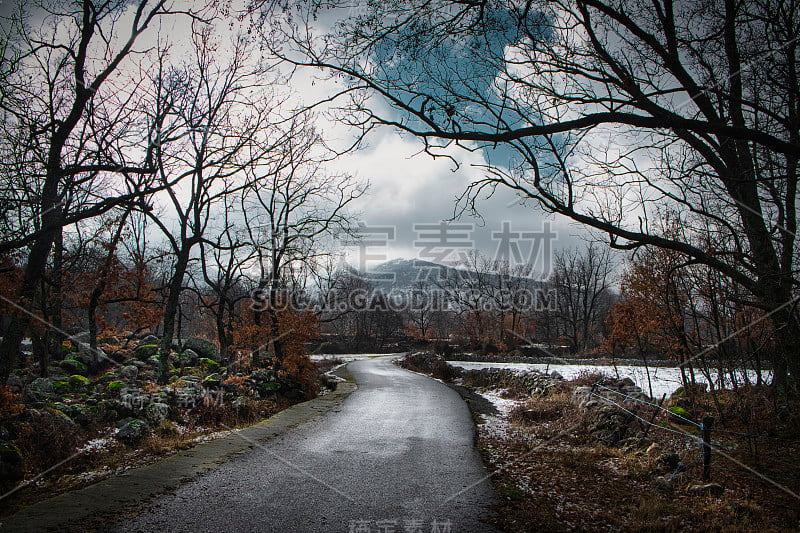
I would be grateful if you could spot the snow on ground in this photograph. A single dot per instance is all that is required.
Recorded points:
(99, 444)
(664, 380)
(212, 436)
(503, 405)
(350, 356)
(497, 426)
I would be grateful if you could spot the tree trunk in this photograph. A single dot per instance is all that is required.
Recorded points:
(171, 311)
(55, 334)
(274, 325)
(20, 317)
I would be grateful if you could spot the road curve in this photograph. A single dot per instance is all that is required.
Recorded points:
(397, 455)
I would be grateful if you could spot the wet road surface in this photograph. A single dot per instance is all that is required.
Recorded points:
(397, 455)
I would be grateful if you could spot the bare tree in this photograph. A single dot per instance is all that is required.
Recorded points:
(225, 273)
(612, 113)
(216, 126)
(71, 139)
(292, 206)
(582, 280)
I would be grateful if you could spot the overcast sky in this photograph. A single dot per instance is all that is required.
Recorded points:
(410, 191)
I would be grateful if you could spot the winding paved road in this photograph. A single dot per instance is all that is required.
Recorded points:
(398, 455)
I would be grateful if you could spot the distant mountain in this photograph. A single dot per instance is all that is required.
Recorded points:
(403, 274)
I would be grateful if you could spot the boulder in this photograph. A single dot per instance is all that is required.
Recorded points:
(62, 418)
(15, 383)
(78, 382)
(129, 372)
(80, 414)
(117, 356)
(113, 340)
(202, 347)
(82, 336)
(133, 431)
(40, 390)
(149, 339)
(188, 358)
(73, 366)
(144, 351)
(157, 412)
(86, 355)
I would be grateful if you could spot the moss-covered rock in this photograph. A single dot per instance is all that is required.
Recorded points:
(213, 380)
(133, 431)
(73, 366)
(78, 382)
(145, 351)
(41, 390)
(80, 414)
(188, 358)
(129, 372)
(193, 371)
(202, 347)
(115, 386)
(60, 406)
(157, 412)
(60, 385)
(149, 339)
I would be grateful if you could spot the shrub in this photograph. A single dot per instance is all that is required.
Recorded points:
(442, 348)
(587, 378)
(541, 409)
(10, 403)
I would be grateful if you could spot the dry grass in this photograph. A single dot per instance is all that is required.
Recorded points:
(327, 363)
(542, 409)
(561, 478)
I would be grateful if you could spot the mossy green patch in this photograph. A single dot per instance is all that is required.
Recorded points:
(680, 413)
(77, 381)
(145, 350)
(115, 385)
(208, 364)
